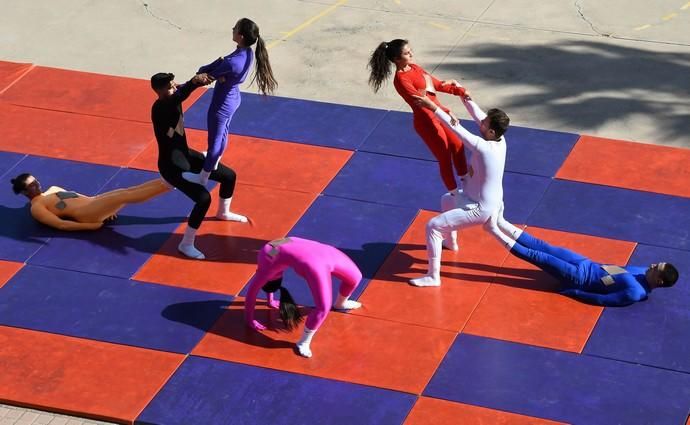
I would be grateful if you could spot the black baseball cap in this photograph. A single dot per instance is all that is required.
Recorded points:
(161, 80)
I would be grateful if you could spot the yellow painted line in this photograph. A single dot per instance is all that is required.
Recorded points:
(669, 16)
(437, 25)
(685, 6)
(397, 2)
(643, 27)
(306, 23)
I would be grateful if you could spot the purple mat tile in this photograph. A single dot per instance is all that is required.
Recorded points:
(294, 120)
(530, 151)
(109, 309)
(20, 235)
(615, 213)
(366, 232)
(395, 135)
(559, 385)
(417, 184)
(653, 332)
(389, 180)
(122, 247)
(208, 391)
(538, 152)
(7, 162)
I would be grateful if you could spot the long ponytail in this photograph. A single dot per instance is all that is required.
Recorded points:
(288, 309)
(381, 60)
(263, 74)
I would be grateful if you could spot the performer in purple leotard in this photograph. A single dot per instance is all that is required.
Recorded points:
(229, 72)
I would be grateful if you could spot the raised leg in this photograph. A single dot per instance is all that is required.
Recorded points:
(108, 204)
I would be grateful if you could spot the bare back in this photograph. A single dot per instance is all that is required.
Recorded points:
(61, 203)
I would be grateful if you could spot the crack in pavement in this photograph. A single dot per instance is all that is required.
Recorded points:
(167, 21)
(584, 18)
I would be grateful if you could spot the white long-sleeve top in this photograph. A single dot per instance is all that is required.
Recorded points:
(484, 184)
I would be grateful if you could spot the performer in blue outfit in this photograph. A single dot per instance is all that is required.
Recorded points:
(583, 278)
(229, 72)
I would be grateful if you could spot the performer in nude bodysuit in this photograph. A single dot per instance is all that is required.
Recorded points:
(72, 211)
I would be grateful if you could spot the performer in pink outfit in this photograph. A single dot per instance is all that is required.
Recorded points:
(316, 263)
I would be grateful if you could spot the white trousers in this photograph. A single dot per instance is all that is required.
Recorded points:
(466, 213)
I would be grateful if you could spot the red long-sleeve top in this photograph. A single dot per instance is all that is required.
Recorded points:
(412, 82)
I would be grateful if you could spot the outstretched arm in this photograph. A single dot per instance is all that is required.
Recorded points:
(210, 67)
(620, 298)
(475, 111)
(184, 90)
(257, 282)
(448, 86)
(408, 92)
(232, 64)
(42, 215)
(471, 141)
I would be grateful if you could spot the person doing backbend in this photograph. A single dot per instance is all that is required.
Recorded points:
(411, 80)
(483, 191)
(175, 157)
(67, 210)
(316, 263)
(229, 72)
(582, 278)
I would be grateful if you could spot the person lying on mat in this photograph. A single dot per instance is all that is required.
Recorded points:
(67, 210)
(582, 278)
(316, 263)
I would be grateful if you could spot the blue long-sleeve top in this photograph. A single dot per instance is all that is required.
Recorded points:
(229, 72)
(620, 289)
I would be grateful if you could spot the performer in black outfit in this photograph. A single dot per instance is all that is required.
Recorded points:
(175, 157)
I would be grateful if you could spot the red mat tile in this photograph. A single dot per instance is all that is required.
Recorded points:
(230, 248)
(7, 270)
(521, 304)
(11, 72)
(71, 136)
(348, 348)
(465, 275)
(629, 165)
(268, 163)
(432, 411)
(78, 376)
(86, 93)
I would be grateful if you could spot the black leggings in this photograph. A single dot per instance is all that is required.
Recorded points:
(196, 192)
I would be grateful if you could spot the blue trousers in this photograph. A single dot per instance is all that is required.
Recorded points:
(563, 264)
(218, 127)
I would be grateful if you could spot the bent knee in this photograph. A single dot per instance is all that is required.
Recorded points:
(436, 225)
(204, 199)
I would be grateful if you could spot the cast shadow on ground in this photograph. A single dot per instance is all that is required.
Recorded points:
(230, 321)
(583, 84)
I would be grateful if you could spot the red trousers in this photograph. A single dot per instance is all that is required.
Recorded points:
(445, 145)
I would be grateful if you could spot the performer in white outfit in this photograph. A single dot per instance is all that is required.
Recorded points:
(483, 190)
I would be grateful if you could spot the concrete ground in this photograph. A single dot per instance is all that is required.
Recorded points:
(11, 415)
(617, 69)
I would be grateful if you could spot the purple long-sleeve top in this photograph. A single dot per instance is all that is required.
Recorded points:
(229, 72)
